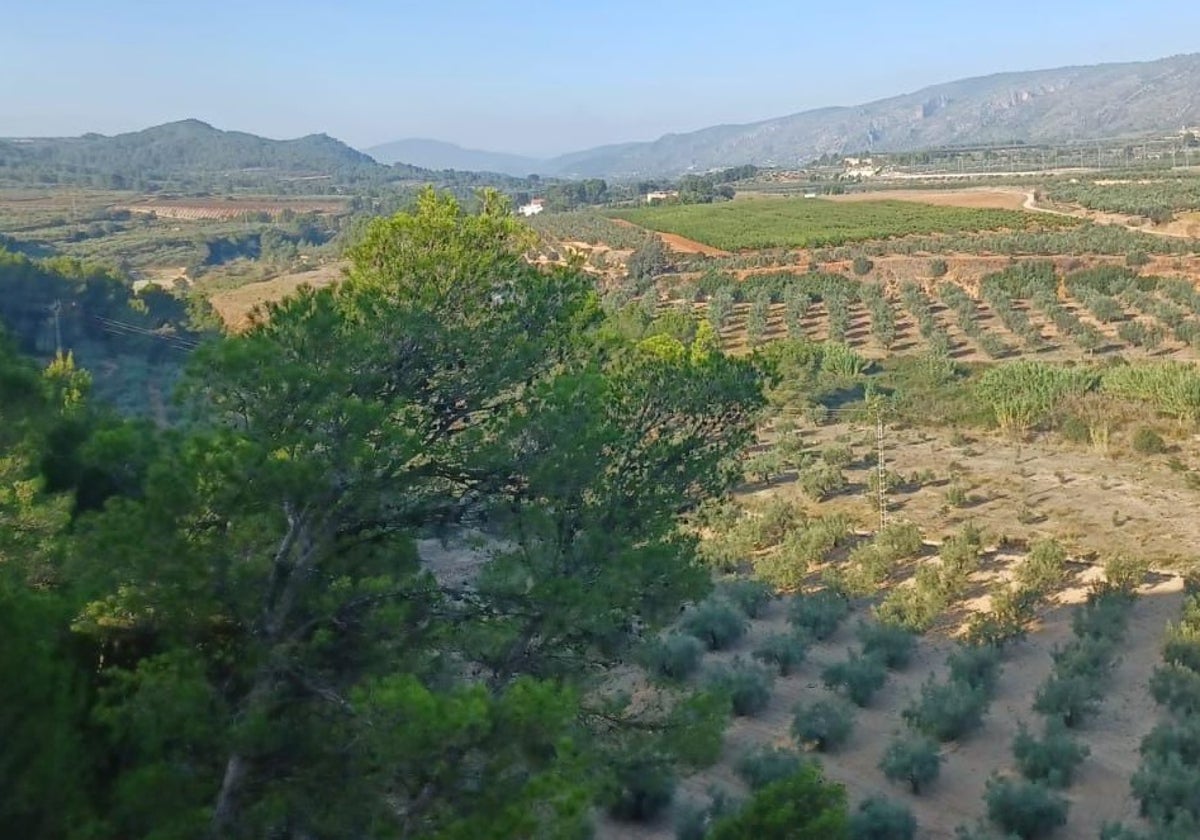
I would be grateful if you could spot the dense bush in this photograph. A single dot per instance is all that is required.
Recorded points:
(1052, 759)
(858, 677)
(891, 644)
(802, 805)
(821, 481)
(675, 657)
(748, 686)
(1148, 442)
(1167, 786)
(750, 596)
(1177, 688)
(938, 268)
(825, 724)
(643, 788)
(1026, 809)
(716, 623)
(975, 665)
(1044, 569)
(1071, 698)
(1103, 616)
(862, 265)
(947, 711)
(694, 822)
(879, 818)
(1012, 610)
(914, 760)
(819, 614)
(782, 651)
(762, 766)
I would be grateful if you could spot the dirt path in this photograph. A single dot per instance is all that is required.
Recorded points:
(679, 244)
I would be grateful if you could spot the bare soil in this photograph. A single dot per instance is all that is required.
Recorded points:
(236, 306)
(1000, 198)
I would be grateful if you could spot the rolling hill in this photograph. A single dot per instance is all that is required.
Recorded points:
(1065, 104)
(435, 154)
(186, 151)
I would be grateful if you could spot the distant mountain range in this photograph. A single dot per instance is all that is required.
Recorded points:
(1062, 105)
(1068, 104)
(435, 154)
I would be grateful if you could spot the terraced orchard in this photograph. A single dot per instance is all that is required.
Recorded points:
(1025, 310)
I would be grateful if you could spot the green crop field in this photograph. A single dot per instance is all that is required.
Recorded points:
(815, 223)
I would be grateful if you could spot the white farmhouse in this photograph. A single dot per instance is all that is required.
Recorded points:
(535, 206)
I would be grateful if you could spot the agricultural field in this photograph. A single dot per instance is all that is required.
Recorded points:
(820, 223)
(195, 209)
(1010, 641)
(1031, 309)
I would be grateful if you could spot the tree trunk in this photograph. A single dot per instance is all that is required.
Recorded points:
(235, 772)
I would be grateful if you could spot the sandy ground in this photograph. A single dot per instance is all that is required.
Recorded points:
(236, 305)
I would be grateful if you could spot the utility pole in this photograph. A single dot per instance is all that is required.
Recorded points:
(880, 467)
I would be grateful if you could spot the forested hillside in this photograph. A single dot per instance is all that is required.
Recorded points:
(228, 631)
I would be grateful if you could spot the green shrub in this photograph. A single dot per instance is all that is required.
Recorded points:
(1008, 619)
(1044, 569)
(899, 540)
(947, 711)
(1071, 698)
(879, 818)
(891, 644)
(838, 456)
(1167, 788)
(821, 481)
(643, 787)
(975, 665)
(783, 651)
(1176, 688)
(1181, 738)
(819, 614)
(858, 677)
(1124, 574)
(750, 596)
(694, 822)
(766, 765)
(825, 724)
(1051, 760)
(1086, 656)
(914, 760)
(1183, 645)
(802, 805)
(1102, 617)
(748, 686)
(1027, 809)
(1146, 441)
(862, 266)
(938, 268)
(914, 607)
(675, 657)
(716, 623)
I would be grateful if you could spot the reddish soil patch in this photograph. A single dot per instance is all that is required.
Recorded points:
(681, 244)
(998, 198)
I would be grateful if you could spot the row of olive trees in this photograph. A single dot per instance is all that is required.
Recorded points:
(1166, 782)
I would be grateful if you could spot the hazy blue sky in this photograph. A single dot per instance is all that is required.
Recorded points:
(534, 76)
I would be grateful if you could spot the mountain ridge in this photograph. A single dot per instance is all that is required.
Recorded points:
(440, 155)
(1075, 102)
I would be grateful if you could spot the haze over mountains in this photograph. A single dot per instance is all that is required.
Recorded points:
(1059, 105)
